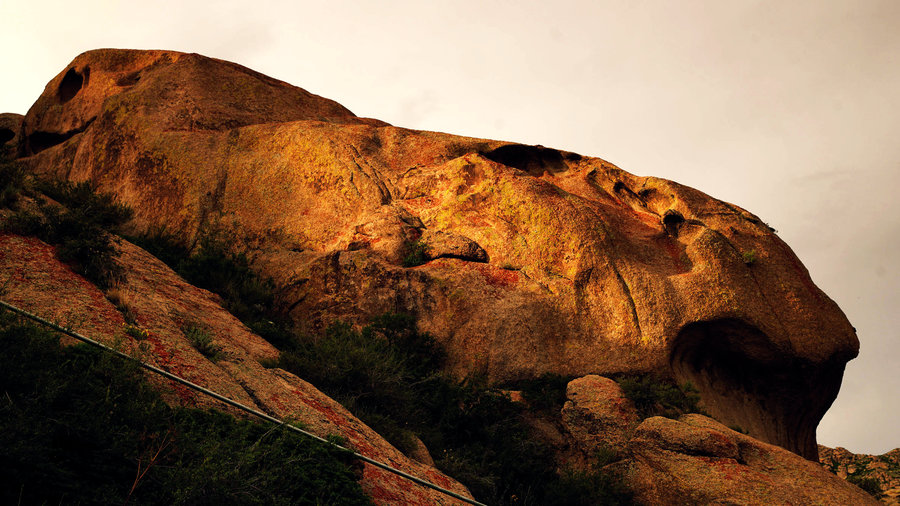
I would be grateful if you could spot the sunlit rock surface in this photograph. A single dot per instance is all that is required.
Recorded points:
(535, 260)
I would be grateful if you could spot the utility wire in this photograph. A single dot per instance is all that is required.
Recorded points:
(236, 404)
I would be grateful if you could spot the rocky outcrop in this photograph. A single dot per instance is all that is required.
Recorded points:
(883, 469)
(166, 307)
(597, 415)
(537, 260)
(696, 460)
(692, 460)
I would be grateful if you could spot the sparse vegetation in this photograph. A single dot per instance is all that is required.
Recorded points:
(589, 488)
(215, 267)
(387, 375)
(202, 341)
(657, 396)
(414, 254)
(80, 427)
(546, 393)
(121, 301)
(79, 225)
(750, 257)
(737, 428)
(12, 180)
(867, 483)
(135, 332)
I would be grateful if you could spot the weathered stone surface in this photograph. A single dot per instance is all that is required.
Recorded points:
(439, 244)
(598, 415)
(10, 132)
(884, 469)
(164, 305)
(696, 460)
(591, 269)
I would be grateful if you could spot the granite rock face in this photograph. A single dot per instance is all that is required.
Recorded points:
(536, 260)
(696, 460)
(883, 469)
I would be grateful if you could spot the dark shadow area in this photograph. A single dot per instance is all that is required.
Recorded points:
(672, 222)
(745, 380)
(71, 84)
(6, 135)
(129, 79)
(532, 159)
(39, 141)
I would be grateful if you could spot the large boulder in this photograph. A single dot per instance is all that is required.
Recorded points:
(598, 415)
(536, 260)
(696, 460)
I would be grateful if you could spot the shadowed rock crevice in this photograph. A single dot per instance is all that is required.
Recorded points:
(6, 135)
(39, 141)
(71, 84)
(532, 159)
(672, 222)
(746, 380)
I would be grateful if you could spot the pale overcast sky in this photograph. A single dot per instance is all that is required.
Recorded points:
(790, 109)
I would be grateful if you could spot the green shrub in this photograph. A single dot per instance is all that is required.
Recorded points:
(246, 295)
(135, 332)
(12, 180)
(387, 375)
(99, 208)
(81, 427)
(867, 483)
(202, 341)
(589, 488)
(414, 254)
(80, 228)
(657, 396)
(546, 393)
(749, 257)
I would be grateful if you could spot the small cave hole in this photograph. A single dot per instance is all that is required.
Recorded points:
(6, 135)
(619, 187)
(71, 84)
(672, 222)
(532, 159)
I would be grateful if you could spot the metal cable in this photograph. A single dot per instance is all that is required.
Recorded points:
(236, 404)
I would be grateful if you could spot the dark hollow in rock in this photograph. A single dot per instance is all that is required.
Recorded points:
(747, 380)
(532, 159)
(71, 84)
(672, 222)
(6, 135)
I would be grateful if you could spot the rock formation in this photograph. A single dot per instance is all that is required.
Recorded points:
(692, 460)
(883, 469)
(536, 260)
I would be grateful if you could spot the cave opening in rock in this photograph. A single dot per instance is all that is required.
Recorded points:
(672, 222)
(6, 135)
(532, 159)
(747, 381)
(71, 84)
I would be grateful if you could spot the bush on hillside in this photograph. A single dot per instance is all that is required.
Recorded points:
(81, 427)
(657, 396)
(80, 226)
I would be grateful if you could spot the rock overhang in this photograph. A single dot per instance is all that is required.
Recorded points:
(574, 266)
